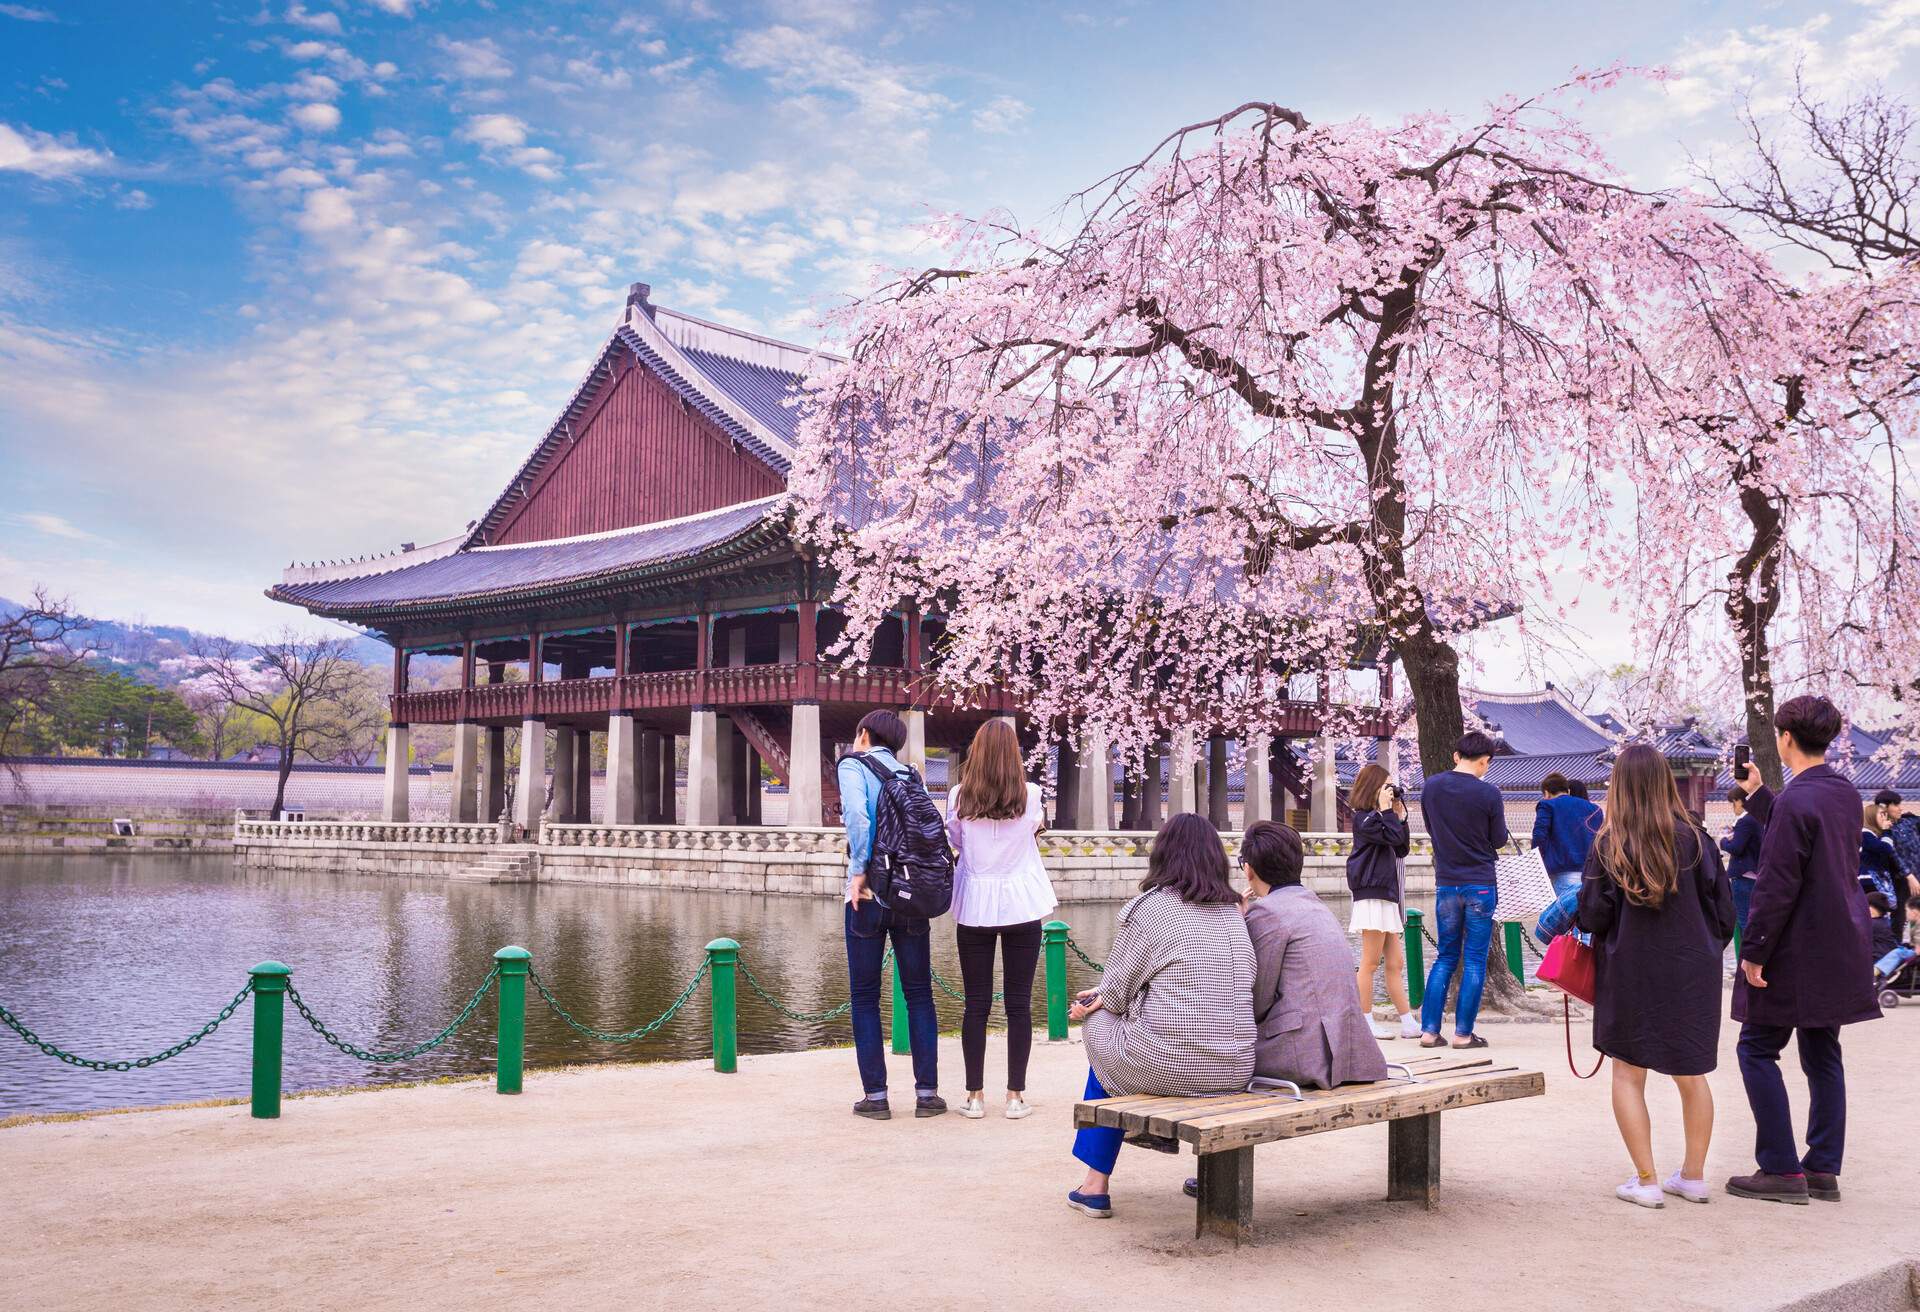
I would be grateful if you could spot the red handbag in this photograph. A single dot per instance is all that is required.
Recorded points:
(1569, 967)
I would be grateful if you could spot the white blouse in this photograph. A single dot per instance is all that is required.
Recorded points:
(999, 878)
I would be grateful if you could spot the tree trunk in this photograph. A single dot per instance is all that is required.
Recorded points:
(280, 787)
(1753, 596)
(1433, 676)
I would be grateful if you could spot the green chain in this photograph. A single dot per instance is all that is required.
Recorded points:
(1085, 960)
(952, 992)
(383, 1058)
(808, 1017)
(607, 1036)
(14, 1023)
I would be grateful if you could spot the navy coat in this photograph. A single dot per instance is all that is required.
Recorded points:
(1808, 925)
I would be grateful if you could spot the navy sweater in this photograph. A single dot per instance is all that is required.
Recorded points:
(1467, 822)
(1563, 830)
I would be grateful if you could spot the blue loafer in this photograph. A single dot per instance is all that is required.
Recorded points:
(1094, 1205)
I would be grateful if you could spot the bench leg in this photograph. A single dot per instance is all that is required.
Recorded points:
(1225, 1205)
(1413, 1160)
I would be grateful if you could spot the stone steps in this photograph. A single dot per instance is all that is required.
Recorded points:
(498, 868)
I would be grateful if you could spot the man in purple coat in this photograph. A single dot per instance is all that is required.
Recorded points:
(1806, 964)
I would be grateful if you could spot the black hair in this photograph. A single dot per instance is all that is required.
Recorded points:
(1878, 901)
(1188, 859)
(1473, 745)
(1887, 797)
(1737, 795)
(1554, 784)
(1274, 851)
(1578, 787)
(885, 729)
(1813, 722)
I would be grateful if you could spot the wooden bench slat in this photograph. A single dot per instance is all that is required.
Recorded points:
(1352, 1093)
(1135, 1113)
(1417, 1100)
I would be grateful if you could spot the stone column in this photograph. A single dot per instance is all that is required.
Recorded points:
(583, 777)
(397, 794)
(1323, 811)
(1150, 786)
(463, 804)
(647, 798)
(1217, 782)
(1257, 791)
(1066, 786)
(669, 778)
(1387, 752)
(1096, 784)
(564, 775)
(703, 768)
(624, 771)
(803, 782)
(530, 794)
(915, 752)
(726, 754)
(753, 787)
(1129, 797)
(493, 774)
(1180, 773)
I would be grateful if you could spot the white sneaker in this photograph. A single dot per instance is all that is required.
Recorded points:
(1382, 1030)
(1017, 1109)
(1640, 1195)
(1409, 1026)
(1694, 1191)
(975, 1109)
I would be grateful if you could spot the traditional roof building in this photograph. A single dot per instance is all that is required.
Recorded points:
(637, 578)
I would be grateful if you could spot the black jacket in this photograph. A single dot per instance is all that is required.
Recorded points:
(1372, 871)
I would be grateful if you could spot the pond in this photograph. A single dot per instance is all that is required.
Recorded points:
(118, 957)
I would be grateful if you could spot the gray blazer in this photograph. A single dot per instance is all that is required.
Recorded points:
(1312, 1028)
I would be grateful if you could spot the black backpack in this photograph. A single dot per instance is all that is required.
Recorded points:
(911, 871)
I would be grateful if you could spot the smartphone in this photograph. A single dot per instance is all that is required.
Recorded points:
(1742, 754)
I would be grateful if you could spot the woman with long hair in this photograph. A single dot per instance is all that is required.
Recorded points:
(1879, 863)
(1657, 901)
(1375, 879)
(1174, 1011)
(1001, 893)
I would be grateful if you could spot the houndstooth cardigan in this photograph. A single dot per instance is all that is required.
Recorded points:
(1176, 1013)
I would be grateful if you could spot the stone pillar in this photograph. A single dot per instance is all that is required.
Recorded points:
(1150, 784)
(1066, 786)
(1180, 773)
(624, 771)
(1257, 791)
(669, 778)
(1217, 810)
(397, 794)
(564, 775)
(463, 803)
(1129, 797)
(530, 794)
(1323, 811)
(647, 793)
(754, 816)
(493, 774)
(915, 752)
(1387, 752)
(803, 783)
(726, 754)
(583, 777)
(1096, 784)
(703, 768)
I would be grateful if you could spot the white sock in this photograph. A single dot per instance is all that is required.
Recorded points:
(1406, 1016)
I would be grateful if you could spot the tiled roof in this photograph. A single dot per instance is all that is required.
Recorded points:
(1538, 723)
(758, 386)
(760, 389)
(502, 571)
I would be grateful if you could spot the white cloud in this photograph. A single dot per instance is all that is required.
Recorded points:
(498, 130)
(29, 15)
(322, 21)
(795, 60)
(387, 143)
(47, 156)
(536, 161)
(307, 49)
(328, 210)
(1001, 114)
(132, 199)
(479, 60)
(315, 117)
(300, 177)
(314, 86)
(53, 525)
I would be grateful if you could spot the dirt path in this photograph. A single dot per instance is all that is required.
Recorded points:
(658, 1186)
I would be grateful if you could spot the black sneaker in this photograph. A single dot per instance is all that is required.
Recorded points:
(929, 1104)
(1824, 1185)
(874, 1109)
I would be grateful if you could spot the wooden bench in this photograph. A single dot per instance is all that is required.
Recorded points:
(1223, 1128)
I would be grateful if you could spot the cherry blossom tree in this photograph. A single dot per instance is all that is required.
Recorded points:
(1282, 396)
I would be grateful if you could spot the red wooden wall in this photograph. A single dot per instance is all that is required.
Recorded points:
(641, 457)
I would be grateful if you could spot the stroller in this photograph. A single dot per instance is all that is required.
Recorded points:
(1902, 981)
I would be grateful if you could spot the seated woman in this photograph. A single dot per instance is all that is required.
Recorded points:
(1312, 1028)
(1174, 1011)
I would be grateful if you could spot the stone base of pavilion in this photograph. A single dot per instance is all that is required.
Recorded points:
(1086, 866)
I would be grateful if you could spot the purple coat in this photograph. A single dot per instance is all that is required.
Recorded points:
(1808, 923)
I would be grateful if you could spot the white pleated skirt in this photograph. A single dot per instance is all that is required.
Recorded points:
(1376, 914)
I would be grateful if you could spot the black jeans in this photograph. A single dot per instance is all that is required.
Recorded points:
(1775, 1149)
(1020, 952)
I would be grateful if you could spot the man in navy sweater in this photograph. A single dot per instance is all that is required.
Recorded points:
(1467, 822)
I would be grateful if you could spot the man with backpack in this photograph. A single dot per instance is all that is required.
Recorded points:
(895, 874)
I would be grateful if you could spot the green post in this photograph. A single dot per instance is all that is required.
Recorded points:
(723, 956)
(1054, 935)
(511, 1059)
(1515, 962)
(1416, 968)
(1736, 948)
(269, 1008)
(901, 1042)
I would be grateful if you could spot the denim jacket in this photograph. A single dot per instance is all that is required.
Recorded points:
(859, 797)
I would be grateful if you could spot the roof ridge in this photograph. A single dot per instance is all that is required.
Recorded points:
(606, 533)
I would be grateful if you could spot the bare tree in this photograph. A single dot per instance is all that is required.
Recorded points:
(37, 650)
(303, 687)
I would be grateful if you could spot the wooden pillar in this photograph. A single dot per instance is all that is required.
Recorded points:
(396, 796)
(647, 809)
(806, 653)
(804, 805)
(1066, 785)
(702, 656)
(915, 657)
(530, 794)
(534, 680)
(463, 799)
(466, 679)
(1217, 782)
(399, 670)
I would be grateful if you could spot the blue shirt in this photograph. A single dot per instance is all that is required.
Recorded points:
(859, 798)
(1563, 830)
(1742, 847)
(1467, 821)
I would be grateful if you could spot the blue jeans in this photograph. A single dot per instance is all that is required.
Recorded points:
(1098, 1145)
(1465, 916)
(868, 927)
(1567, 881)
(1742, 903)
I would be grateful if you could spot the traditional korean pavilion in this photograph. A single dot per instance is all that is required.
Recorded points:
(636, 578)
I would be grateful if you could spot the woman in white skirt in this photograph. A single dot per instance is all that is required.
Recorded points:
(1375, 877)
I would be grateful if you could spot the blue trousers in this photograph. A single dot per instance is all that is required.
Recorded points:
(1742, 903)
(1464, 913)
(869, 926)
(1098, 1145)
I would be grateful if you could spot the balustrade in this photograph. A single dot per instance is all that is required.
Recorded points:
(365, 831)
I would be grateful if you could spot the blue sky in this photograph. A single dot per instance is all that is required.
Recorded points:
(308, 279)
